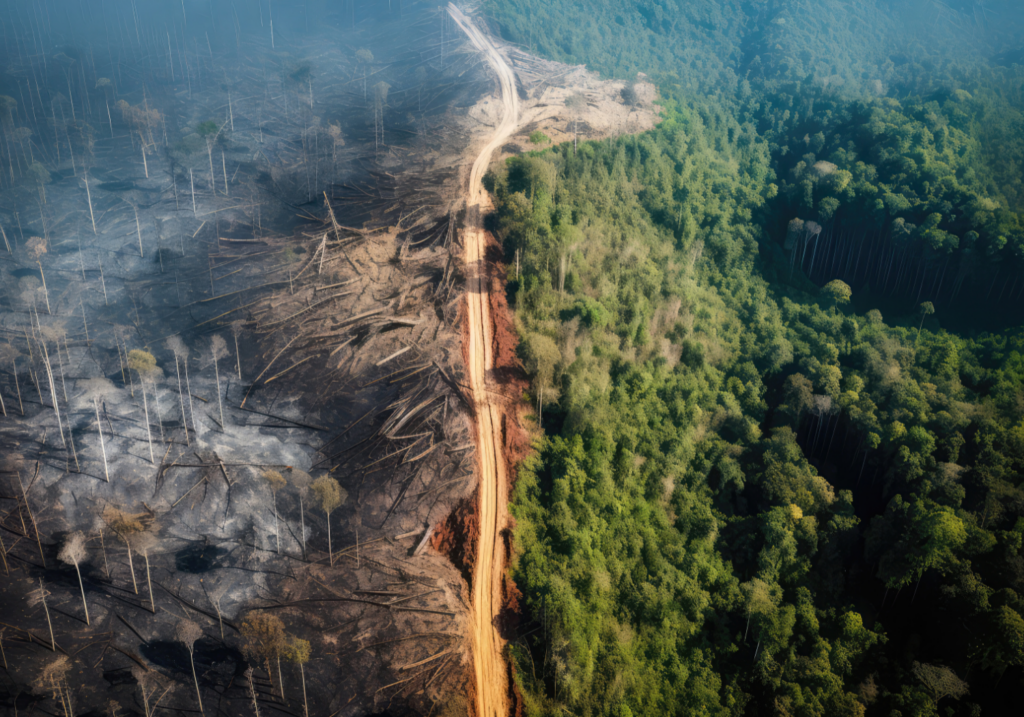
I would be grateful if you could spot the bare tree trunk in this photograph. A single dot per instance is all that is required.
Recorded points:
(149, 432)
(81, 587)
(199, 697)
(149, 583)
(103, 445)
(42, 595)
(88, 195)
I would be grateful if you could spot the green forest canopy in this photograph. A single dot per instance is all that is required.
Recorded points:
(752, 493)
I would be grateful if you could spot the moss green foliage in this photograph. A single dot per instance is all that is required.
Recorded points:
(751, 493)
(538, 137)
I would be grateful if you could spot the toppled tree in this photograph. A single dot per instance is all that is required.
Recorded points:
(144, 364)
(187, 632)
(330, 496)
(277, 482)
(72, 553)
(263, 641)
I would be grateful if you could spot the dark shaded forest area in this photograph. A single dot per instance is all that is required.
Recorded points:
(776, 363)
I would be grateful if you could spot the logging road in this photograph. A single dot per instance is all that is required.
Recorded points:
(488, 665)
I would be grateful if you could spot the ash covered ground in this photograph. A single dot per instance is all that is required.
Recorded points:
(269, 296)
(231, 291)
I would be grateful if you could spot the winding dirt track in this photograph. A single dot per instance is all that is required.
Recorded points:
(489, 667)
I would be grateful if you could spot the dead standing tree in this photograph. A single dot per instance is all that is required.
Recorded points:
(331, 496)
(380, 100)
(95, 390)
(72, 553)
(144, 364)
(142, 120)
(276, 482)
(180, 351)
(218, 350)
(126, 526)
(187, 632)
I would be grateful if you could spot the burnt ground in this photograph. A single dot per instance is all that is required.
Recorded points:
(341, 357)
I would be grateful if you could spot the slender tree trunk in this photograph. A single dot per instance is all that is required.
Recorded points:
(42, 594)
(46, 292)
(17, 385)
(220, 403)
(149, 582)
(181, 400)
(209, 152)
(149, 431)
(103, 548)
(103, 446)
(131, 567)
(199, 697)
(188, 389)
(330, 550)
(88, 195)
(305, 702)
(81, 587)
(138, 230)
(280, 676)
(277, 524)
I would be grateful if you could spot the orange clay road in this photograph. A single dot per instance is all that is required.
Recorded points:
(488, 665)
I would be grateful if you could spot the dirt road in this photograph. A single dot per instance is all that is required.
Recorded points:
(489, 667)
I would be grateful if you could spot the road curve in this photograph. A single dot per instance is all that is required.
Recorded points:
(489, 668)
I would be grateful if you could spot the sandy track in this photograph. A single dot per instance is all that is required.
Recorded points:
(488, 665)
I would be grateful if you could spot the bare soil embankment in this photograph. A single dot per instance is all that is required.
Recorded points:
(532, 96)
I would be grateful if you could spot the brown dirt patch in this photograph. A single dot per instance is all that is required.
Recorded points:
(457, 535)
